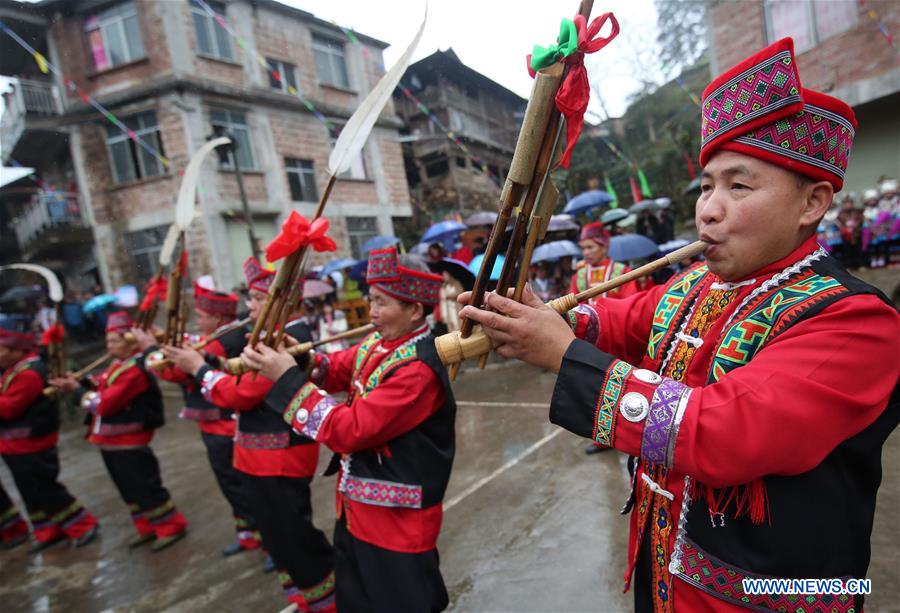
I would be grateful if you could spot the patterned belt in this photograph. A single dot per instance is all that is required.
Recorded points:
(382, 493)
(210, 414)
(277, 440)
(15, 434)
(105, 429)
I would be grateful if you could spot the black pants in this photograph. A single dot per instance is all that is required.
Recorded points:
(643, 578)
(37, 477)
(370, 578)
(220, 451)
(6, 504)
(283, 513)
(135, 473)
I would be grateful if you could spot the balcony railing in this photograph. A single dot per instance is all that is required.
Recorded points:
(27, 98)
(48, 210)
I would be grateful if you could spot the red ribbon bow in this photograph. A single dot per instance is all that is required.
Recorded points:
(575, 92)
(53, 335)
(155, 290)
(297, 232)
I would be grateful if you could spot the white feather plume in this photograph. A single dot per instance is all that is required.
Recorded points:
(168, 246)
(357, 129)
(187, 193)
(54, 287)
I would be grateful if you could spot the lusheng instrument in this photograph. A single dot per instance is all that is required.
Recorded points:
(236, 367)
(157, 360)
(453, 348)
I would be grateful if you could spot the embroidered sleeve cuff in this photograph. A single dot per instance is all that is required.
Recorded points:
(319, 363)
(617, 405)
(308, 409)
(585, 323)
(208, 379)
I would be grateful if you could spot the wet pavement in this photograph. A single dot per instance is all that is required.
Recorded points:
(531, 522)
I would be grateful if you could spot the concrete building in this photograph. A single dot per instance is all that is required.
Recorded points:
(840, 51)
(171, 73)
(483, 114)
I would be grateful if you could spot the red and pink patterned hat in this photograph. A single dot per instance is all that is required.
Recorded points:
(595, 232)
(759, 108)
(258, 278)
(213, 302)
(119, 322)
(15, 335)
(406, 284)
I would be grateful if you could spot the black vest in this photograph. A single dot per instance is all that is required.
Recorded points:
(144, 412)
(196, 406)
(415, 469)
(40, 418)
(821, 520)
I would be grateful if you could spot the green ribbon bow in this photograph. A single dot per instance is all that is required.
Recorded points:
(566, 44)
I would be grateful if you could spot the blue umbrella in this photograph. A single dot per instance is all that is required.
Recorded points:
(475, 266)
(336, 265)
(631, 247)
(551, 252)
(443, 230)
(379, 242)
(613, 215)
(587, 201)
(98, 302)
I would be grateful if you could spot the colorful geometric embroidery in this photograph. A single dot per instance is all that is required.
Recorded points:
(192, 414)
(318, 415)
(102, 428)
(278, 440)
(319, 591)
(362, 353)
(701, 320)
(297, 401)
(715, 577)
(401, 355)
(382, 493)
(210, 378)
(609, 399)
(760, 90)
(658, 426)
(598, 274)
(765, 317)
(671, 308)
(813, 136)
(14, 434)
(120, 369)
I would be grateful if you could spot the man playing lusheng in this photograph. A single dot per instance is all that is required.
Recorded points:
(394, 434)
(756, 389)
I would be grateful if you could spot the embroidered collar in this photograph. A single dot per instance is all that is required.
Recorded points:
(393, 344)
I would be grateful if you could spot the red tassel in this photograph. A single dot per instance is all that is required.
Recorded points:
(635, 190)
(53, 335)
(689, 163)
(749, 499)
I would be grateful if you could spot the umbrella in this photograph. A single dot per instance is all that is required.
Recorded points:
(335, 265)
(672, 245)
(420, 249)
(456, 269)
(22, 293)
(127, 297)
(485, 218)
(643, 205)
(443, 230)
(559, 223)
(613, 215)
(631, 247)
(551, 252)
(475, 266)
(379, 242)
(98, 302)
(315, 289)
(663, 202)
(587, 201)
(358, 270)
(693, 186)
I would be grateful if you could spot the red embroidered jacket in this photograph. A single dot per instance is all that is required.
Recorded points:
(587, 276)
(724, 390)
(21, 391)
(388, 513)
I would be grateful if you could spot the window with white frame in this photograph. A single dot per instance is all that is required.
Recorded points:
(212, 39)
(809, 22)
(359, 230)
(357, 168)
(301, 175)
(144, 247)
(130, 160)
(286, 76)
(114, 36)
(331, 65)
(234, 123)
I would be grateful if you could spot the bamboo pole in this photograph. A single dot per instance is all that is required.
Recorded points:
(453, 348)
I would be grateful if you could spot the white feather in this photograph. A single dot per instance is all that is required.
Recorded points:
(187, 193)
(54, 287)
(352, 138)
(168, 246)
